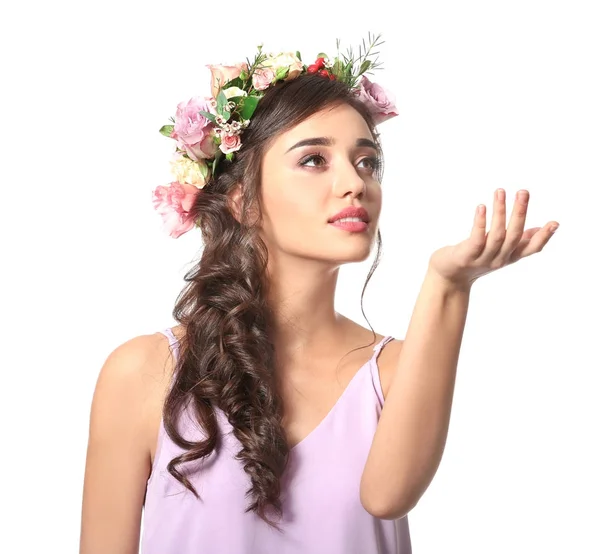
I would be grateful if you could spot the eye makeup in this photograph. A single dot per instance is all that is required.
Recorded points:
(374, 161)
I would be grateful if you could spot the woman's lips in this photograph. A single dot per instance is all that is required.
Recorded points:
(352, 226)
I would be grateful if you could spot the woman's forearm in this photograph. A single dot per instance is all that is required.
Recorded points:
(413, 427)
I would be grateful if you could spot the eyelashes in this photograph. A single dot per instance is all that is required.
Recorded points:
(374, 162)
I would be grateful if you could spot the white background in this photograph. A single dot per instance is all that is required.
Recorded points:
(491, 94)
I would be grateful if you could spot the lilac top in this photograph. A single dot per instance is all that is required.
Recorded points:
(322, 512)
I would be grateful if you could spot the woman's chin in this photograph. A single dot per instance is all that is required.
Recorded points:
(345, 254)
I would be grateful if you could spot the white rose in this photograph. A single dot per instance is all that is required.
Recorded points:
(287, 60)
(234, 91)
(189, 172)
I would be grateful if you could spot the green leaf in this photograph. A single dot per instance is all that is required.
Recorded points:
(281, 73)
(221, 102)
(248, 106)
(298, 55)
(167, 130)
(322, 55)
(237, 82)
(337, 68)
(203, 170)
(208, 116)
(364, 67)
(222, 109)
(229, 156)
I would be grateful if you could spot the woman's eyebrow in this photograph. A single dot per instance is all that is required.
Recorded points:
(328, 141)
(368, 143)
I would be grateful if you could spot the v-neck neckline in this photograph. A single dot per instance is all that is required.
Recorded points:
(333, 409)
(173, 340)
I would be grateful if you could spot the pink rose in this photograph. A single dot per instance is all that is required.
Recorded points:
(222, 74)
(262, 78)
(378, 100)
(193, 131)
(230, 143)
(173, 203)
(199, 151)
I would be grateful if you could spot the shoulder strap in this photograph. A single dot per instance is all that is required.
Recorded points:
(375, 369)
(377, 348)
(173, 342)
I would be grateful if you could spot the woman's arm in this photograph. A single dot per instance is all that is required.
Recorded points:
(413, 427)
(412, 430)
(118, 455)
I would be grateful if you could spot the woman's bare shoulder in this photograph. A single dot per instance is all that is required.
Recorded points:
(124, 420)
(138, 371)
(139, 357)
(387, 361)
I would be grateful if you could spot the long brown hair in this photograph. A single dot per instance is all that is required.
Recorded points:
(226, 356)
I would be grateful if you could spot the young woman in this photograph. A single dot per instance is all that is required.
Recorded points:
(265, 422)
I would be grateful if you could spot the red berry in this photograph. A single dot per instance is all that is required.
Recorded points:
(324, 73)
(331, 77)
(312, 68)
(320, 63)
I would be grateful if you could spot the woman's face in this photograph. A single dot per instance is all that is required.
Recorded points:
(309, 174)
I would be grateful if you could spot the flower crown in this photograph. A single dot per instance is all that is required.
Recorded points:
(207, 129)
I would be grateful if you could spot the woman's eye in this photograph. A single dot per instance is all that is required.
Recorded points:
(372, 163)
(316, 159)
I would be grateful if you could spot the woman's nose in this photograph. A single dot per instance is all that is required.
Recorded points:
(347, 180)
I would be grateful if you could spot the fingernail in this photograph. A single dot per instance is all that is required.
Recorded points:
(553, 228)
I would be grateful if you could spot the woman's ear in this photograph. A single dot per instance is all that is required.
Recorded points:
(246, 215)
(235, 202)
